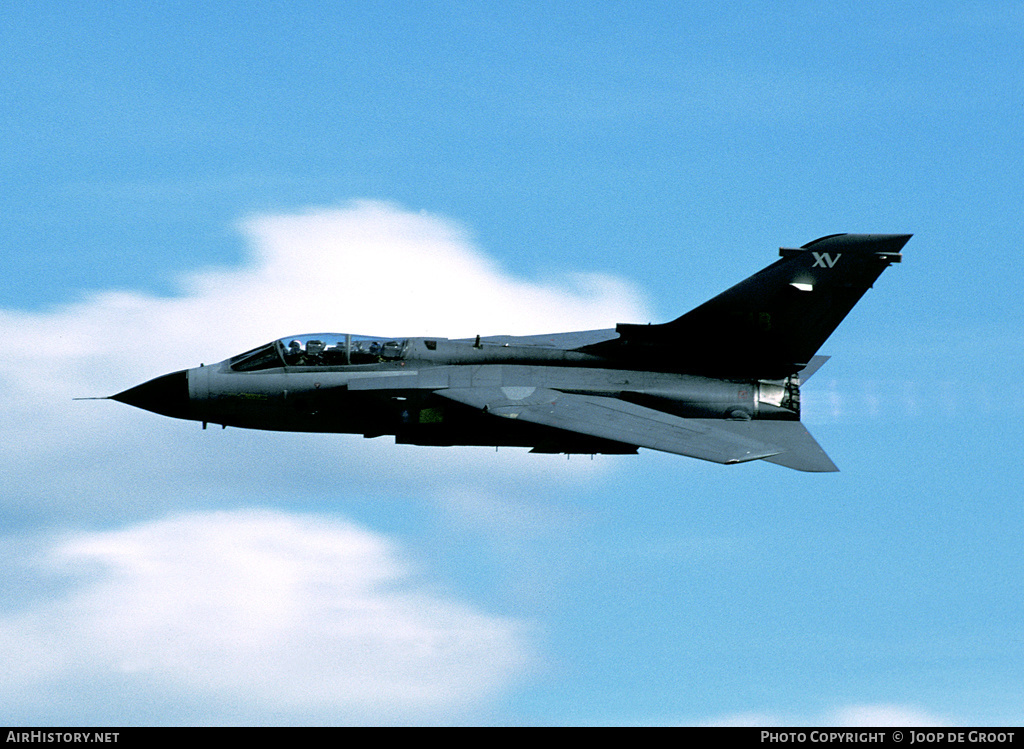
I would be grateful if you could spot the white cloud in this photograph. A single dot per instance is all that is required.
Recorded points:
(880, 715)
(897, 716)
(252, 614)
(369, 267)
(365, 268)
(373, 268)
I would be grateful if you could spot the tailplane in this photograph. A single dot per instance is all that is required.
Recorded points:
(797, 448)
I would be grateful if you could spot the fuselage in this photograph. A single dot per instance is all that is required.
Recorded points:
(378, 386)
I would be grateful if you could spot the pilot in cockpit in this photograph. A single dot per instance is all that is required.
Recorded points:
(293, 355)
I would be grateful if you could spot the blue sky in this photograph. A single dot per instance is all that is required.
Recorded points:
(183, 182)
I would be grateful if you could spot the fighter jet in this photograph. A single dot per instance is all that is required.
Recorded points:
(720, 383)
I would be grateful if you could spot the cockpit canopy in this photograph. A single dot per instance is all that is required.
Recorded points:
(320, 350)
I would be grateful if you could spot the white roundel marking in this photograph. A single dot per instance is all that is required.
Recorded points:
(518, 393)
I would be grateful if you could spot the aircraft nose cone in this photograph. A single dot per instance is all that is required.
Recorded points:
(166, 395)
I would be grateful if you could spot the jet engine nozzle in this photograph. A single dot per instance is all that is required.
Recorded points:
(778, 399)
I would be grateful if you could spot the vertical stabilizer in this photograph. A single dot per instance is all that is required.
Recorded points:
(770, 325)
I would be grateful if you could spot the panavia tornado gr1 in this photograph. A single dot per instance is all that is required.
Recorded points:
(721, 383)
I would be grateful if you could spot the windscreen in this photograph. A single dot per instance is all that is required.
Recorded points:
(264, 357)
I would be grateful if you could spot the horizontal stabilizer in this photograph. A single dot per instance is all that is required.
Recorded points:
(616, 420)
(799, 450)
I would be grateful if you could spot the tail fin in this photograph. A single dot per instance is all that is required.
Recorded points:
(770, 325)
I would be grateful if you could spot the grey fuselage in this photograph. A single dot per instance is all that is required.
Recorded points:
(376, 386)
